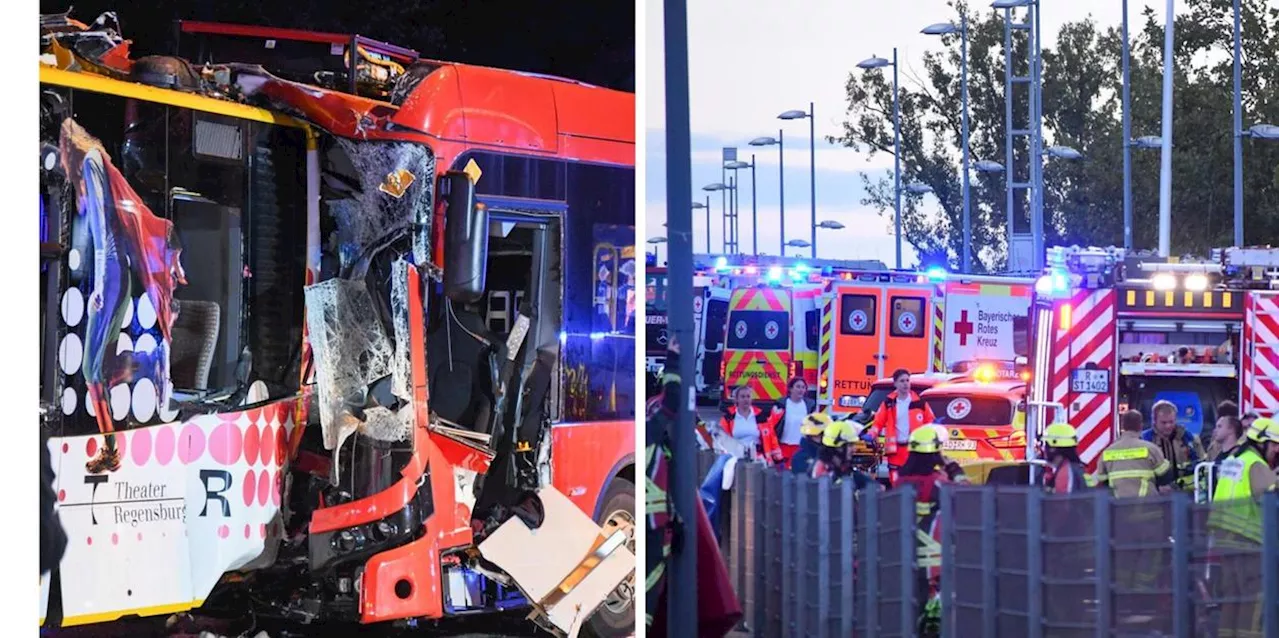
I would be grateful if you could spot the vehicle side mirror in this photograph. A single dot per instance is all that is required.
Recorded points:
(466, 239)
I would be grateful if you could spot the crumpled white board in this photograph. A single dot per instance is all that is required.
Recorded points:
(538, 560)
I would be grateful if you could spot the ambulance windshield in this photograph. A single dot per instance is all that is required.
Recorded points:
(985, 411)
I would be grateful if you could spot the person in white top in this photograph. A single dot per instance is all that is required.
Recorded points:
(788, 417)
(745, 423)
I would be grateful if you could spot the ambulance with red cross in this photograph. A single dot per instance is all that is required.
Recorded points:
(1117, 331)
(771, 336)
(876, 322)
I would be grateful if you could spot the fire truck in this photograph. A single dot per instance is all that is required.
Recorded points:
(1115, 331)
(350, 341)
(875, 322)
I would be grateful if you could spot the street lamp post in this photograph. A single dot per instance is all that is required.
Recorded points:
(1125, 117)
(1237, 151)
(963, 30)
(875, 63)
(724, 216)
(657, 242)
(782, 209)
(736, 165)
(707, 206)
(813, 188)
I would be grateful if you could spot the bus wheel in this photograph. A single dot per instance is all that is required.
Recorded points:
(616, 617)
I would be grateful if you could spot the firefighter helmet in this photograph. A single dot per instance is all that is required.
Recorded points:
(925, 440)
(1060, 435)
(815, 424)
(1263, 431)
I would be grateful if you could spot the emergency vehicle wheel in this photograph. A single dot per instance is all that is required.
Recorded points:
(616, 617)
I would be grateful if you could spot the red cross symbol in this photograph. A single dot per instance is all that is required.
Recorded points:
(964, 327)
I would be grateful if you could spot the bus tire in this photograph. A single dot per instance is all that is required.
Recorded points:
(615, 618)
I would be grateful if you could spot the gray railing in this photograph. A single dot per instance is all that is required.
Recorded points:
(809, 558)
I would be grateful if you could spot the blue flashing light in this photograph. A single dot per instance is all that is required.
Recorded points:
(936, 273)
(564, 337)
(775, 273)
(1054, 283)
(722, 263)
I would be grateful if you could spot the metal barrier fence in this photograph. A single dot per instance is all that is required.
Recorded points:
(813, 559)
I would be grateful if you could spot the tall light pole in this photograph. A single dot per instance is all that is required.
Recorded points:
(735, 166)
(813, 173)
(707, 205)
(942, 29)
(1125, 124)
(1236, 127)
(782, 209)
(724, 215)
(1166, 132)
(682, 608)
(657, 243)
(874, 62)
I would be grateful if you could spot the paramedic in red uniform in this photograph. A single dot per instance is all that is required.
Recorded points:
(788, 417)
(901, 414)
(749, 426)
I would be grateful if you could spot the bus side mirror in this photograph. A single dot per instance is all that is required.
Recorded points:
(466, 239)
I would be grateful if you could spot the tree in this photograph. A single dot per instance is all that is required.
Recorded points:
(1083, 200)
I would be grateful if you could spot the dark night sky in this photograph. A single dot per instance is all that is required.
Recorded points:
(591, 41)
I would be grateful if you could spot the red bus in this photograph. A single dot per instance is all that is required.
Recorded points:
(413, 303)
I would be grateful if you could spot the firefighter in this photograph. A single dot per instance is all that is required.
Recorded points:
(788, 417)
(1131, 466)
(749, 426)
(902, 413)
(811, 431)
(1180, 448)
(834, 454)
(1065, 473)
(926, 469)
(1236, 524)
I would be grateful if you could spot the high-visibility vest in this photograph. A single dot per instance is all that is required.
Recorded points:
(1234, 509)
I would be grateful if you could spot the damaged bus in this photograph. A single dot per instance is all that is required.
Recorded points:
(359, 354)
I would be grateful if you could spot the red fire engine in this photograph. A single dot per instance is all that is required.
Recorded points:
(1116, 331)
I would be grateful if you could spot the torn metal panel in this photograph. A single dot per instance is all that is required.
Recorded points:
(341, 114)
(351, 351)
(75, 45)
(567, 567)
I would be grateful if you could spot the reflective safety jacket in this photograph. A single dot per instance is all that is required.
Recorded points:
(886, 420)
(1242, 480)
(1131, 467)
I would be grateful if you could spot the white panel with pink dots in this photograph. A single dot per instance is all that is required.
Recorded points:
(190, 502)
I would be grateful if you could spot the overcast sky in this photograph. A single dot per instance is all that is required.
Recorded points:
(750, 60)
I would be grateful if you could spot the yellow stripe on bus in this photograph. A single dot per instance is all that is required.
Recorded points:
(106, 616)
(109, 86)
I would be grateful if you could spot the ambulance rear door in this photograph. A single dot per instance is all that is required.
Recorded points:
(904, 324)
(715, 310)
(856, 344)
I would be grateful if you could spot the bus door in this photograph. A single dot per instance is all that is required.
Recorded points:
(857, 344)
(758, 342)
(904, 318)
